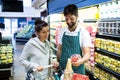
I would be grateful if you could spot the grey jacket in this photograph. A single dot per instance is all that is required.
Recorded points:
(35, 54)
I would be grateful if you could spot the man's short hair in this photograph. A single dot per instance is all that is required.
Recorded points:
(71, 9)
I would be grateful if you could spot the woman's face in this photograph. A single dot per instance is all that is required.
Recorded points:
(44, 33)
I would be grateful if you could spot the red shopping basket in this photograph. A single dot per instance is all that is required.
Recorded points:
(80, 77)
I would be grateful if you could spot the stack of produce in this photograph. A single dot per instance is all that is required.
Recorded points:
(26, 32)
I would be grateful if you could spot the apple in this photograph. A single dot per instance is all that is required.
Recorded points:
(75, 57)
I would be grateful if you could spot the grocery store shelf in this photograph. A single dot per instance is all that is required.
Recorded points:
(114, 55)
(111, 36)
(90, 20)
(108, 70)
(89, 72)
(52, 35)
(57, 21)
(96, 78)
(6, 73)
(5, 69)
(4, 66)
(52, 28)
(110, 19)
(91, 75)
(20, 39)
(54, 50)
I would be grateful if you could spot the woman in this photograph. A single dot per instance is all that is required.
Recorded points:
(35, 54)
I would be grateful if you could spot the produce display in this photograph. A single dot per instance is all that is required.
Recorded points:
(26, 32)
(6, 54)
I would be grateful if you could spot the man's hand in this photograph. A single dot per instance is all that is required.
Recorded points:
(55, 64)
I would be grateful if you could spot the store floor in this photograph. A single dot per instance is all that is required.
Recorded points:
(19, 72)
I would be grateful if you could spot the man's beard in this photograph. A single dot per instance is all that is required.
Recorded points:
(71, 25)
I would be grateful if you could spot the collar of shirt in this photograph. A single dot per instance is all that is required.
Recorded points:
(73, 33)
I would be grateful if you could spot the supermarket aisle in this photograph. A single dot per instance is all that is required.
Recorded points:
(19, 72)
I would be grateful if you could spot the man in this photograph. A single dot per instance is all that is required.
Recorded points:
(73, 39)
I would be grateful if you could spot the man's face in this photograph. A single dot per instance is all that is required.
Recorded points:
(71, 20)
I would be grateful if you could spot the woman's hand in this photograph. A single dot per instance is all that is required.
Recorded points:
(39, 68)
